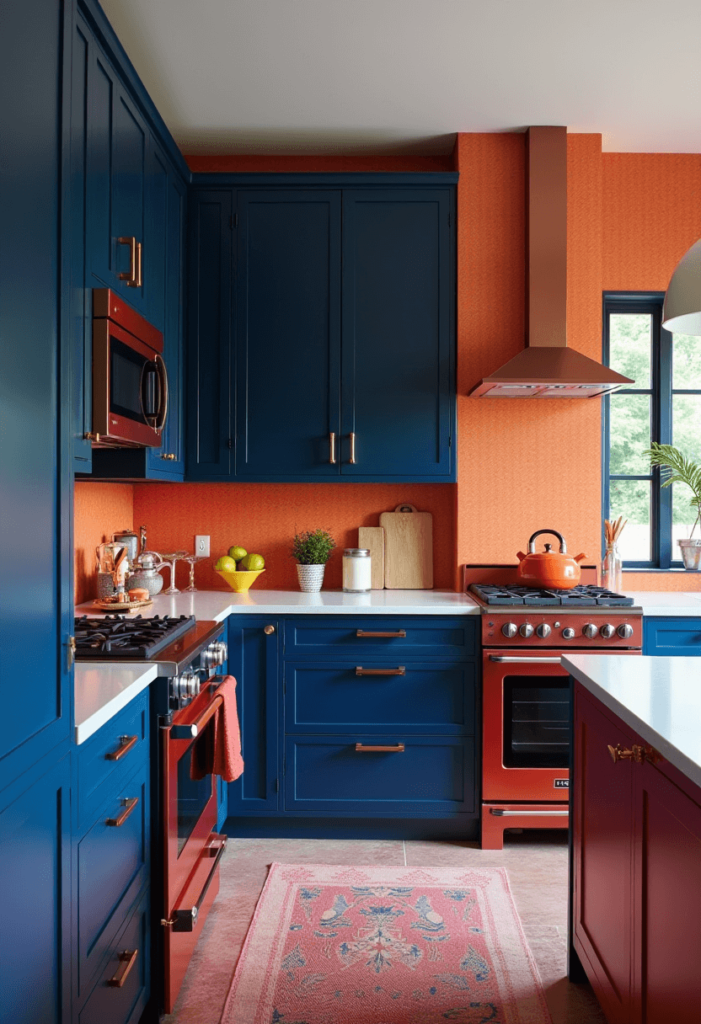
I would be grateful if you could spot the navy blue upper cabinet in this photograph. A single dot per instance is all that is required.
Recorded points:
(397, 334)
(322, 330)
(288, 291)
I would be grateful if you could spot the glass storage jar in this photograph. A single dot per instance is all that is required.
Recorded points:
(357, 571)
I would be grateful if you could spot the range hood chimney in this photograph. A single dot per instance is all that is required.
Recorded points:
(547, 368)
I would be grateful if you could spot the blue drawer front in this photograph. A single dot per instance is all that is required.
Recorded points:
(98, 773)
(670, 637)
(433, 776)
(107, 1003)
(425, 635)
(112, 866)
(428, 698)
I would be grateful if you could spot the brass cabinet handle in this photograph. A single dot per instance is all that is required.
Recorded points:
(126, 743)
(363, 748)
(130, 276)
(127, 959)
(169, 457)
(138, 282)
(129, 805)
(397, 632)
(332, 448)
(268, 630)
(91, 436)
(636, 753)
(352, 460)
(399, 671)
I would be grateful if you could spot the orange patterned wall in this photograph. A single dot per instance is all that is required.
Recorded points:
(99, 510)
(263, 518)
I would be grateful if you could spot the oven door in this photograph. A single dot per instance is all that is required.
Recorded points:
(130, 388)
(526, 725)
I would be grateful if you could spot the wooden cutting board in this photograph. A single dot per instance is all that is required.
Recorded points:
(408, 548)
(373, 538)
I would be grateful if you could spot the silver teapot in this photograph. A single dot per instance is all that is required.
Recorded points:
(146, 573)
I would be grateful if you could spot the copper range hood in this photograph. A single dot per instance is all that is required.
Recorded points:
(547, 368)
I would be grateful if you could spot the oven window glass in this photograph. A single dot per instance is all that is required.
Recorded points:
(193, 796)
(126, 369)
(536, 722)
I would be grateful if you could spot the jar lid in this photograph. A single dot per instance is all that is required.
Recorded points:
(357, 552)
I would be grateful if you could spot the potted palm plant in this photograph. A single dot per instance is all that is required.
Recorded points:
(675, 468)
(312, 550)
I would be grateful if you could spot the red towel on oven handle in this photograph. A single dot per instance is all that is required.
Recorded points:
(217, 751)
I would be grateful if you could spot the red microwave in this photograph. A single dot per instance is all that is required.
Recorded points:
(129, 377)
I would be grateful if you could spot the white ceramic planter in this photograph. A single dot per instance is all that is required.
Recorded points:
(691, 553)
(310, 578)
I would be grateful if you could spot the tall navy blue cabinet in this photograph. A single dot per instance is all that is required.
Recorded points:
(322, 328)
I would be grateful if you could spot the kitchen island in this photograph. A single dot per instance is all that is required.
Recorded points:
(636, 836)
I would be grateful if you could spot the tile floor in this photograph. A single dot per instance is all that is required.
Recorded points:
(537, 866)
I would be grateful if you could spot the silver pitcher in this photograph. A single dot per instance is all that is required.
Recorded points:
(146, 574)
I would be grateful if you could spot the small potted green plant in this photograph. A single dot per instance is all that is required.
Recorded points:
(312, 550)
(675, 468)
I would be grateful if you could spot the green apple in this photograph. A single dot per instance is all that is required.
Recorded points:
(226, 564)
(237, 553)
(252, 563)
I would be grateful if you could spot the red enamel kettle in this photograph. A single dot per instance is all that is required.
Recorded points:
(550, 569)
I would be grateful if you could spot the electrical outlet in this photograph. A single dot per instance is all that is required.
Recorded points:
(202, 546)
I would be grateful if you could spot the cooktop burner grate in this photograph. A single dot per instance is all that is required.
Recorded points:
(577, 597)
(116, 636)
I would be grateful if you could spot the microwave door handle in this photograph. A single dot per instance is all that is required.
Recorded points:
(163, 393)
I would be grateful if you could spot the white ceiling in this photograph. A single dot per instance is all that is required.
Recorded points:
(401, 76)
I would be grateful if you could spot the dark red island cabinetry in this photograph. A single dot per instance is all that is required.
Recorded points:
(636, 872)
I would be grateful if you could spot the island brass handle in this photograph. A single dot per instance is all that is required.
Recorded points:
(169, 457)
(130, 275)
(365, 632)
(139, 262)
(362, 748)
(636, 753)
(127, 960)
(129, 805)
(268, 630)
(126, 743)
(352, 460)
(399, 671)
(91, 436)
(332, 448)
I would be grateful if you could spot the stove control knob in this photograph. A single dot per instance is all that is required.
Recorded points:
(568, 633)
(526, 629)
(590, 630)
(220, 652)
(607, 631)
(625, 631)
(509, 629)
(543, 630)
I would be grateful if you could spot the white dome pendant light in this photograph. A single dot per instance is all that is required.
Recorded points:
(681, 313)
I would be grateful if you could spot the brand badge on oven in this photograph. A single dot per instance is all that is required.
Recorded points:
(561, 783)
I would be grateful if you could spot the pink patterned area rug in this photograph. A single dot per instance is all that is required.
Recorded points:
(385, 945)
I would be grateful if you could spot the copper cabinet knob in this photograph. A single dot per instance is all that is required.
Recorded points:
(268, 630)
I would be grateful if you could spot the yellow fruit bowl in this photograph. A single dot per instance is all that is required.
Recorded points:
(239, 582)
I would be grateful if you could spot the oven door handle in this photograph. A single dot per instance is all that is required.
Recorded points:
(499, 812)
(505, 659)
(186, 920)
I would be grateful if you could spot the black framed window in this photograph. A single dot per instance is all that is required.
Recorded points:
(664, 405)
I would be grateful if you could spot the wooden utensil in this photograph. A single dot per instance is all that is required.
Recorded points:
(408, 548)
(373, 538)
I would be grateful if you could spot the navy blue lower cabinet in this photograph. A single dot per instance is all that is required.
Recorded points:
(419, 697)
(35, 895)
(378, 636)
(254, 643)
(410, 776)
(669, 637)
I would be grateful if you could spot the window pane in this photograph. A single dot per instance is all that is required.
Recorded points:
(630, 434)
(630, 346)
(686, 361)
(686, 425)
(631, 499)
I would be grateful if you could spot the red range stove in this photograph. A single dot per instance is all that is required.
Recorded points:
(525, 690)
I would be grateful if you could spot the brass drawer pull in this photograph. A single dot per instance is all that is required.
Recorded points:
(169, 457)
(362, 748)
(332, 448)
(352, 460)
(636, 753)
(139, 262)
(130, 275)
(129, 805)
(399, 671)
(126, 743)
(127, 960)
(397, 632)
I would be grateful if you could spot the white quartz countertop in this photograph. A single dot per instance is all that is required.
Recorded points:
(218, 604)
(684, 604)
(104, 688)
(658, 698)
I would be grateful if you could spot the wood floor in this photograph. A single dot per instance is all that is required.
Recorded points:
(537, 866)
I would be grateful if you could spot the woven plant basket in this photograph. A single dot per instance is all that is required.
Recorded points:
(310, 578)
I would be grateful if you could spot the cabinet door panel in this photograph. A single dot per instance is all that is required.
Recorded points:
(209, 426)
(129, 137)
(603, 864)
(672, 637)
(397, 331)
(254, 662)
(288, 327)
(98, 162)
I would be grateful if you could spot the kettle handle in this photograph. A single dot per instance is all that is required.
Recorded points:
(531, 542)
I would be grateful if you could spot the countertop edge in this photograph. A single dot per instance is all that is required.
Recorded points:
(89, 726)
